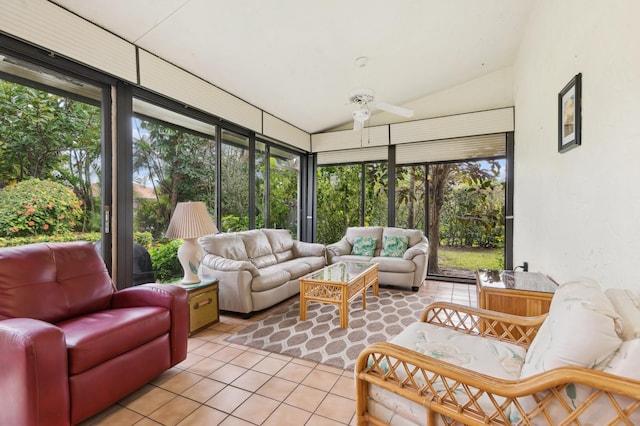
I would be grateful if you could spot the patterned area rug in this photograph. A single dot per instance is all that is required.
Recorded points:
(320, 337)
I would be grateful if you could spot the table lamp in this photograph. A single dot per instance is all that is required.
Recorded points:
(190, 220)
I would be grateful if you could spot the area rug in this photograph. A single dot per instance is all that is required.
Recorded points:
(320, 337)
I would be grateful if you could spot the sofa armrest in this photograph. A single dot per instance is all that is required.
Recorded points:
(304, 249)
(172, 297)
(465, 319)
(422, 248)
(473, 398)
(219, 263)
(34, 378)
(341, 248)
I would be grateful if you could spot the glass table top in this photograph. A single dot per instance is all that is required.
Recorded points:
(516, 280)
(340, 272)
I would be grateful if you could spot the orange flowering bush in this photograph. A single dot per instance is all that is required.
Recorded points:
(38, 207)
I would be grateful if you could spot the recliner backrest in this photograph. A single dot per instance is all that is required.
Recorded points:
(53, 281)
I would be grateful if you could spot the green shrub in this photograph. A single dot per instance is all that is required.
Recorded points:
(153, 216)
(231, 223)
(145, 239)
(92, 237)
(38, 207)
(164, 258)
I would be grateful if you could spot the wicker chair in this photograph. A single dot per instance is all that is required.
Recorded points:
(439, 392)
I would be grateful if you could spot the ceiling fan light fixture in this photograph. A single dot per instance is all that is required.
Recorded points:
(362, 96)
(361, 115)
(361, 61)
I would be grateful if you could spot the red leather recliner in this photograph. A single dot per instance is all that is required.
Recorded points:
(70, 344)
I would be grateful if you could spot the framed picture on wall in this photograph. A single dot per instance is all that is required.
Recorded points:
(569, 114)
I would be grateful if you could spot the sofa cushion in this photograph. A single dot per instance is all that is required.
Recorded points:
(575, 306)
(394, 245)
(283, 256)
(314, 262)
(625, 302)
(230, 245)
(625, 363)
(296, 268)
(581, 330)
(98, 337)
(351, 258)
(270, 277)
(305, 249)
(364, 231)
(487, 356)
(264, 261)
(414, 235)
(256, 243)
(394, 264)
(280, 240)
(364, 246)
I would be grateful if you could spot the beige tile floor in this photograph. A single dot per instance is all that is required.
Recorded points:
(232, 385)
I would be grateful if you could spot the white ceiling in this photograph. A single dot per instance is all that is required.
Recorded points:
(295, 59)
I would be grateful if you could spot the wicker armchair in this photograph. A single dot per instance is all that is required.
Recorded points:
(451, 395)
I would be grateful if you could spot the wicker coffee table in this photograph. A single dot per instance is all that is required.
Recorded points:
(339, 284)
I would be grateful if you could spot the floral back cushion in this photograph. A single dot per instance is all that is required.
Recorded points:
(394, 245)
(364, 246)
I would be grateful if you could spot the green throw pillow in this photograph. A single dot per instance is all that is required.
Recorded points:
(394, 246)
(364, 246)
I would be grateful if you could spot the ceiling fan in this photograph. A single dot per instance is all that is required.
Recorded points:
(364, 99)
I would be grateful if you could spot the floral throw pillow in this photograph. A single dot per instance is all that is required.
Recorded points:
(394, 245)
(364, 246)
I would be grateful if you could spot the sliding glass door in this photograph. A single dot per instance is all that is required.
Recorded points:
(466, 217)
(51, 165)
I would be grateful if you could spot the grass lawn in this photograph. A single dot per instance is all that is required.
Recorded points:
(470, 258)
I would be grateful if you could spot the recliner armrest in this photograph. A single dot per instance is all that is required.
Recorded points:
(172, 297)
(34, 384)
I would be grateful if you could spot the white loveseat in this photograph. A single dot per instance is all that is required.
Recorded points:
(258, 268)
(461, 365)
(404, 268)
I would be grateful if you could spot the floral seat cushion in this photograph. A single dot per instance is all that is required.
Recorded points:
(483, 355)
(487, 356)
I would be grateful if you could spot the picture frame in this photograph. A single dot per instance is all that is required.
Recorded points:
(570, 115)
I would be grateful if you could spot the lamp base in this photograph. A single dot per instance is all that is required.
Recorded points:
(188, 257)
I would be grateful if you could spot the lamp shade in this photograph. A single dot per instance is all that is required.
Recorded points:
(191, 220)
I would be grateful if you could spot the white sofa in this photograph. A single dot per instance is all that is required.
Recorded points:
(257, 268)
(407, 268)
(580, 364)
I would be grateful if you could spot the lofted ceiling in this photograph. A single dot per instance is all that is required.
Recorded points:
(295, 59)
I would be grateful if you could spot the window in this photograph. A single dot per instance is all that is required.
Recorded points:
(410, 197)
(234, 181)
(376, 204)
(51, 169)
(338, 200)
(262, 195)
(284, 190)
(173, 161)
(466, 217)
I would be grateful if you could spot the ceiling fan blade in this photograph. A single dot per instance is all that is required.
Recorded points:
(394, 109)
(357, 125)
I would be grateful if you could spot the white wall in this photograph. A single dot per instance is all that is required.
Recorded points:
(578, 213)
